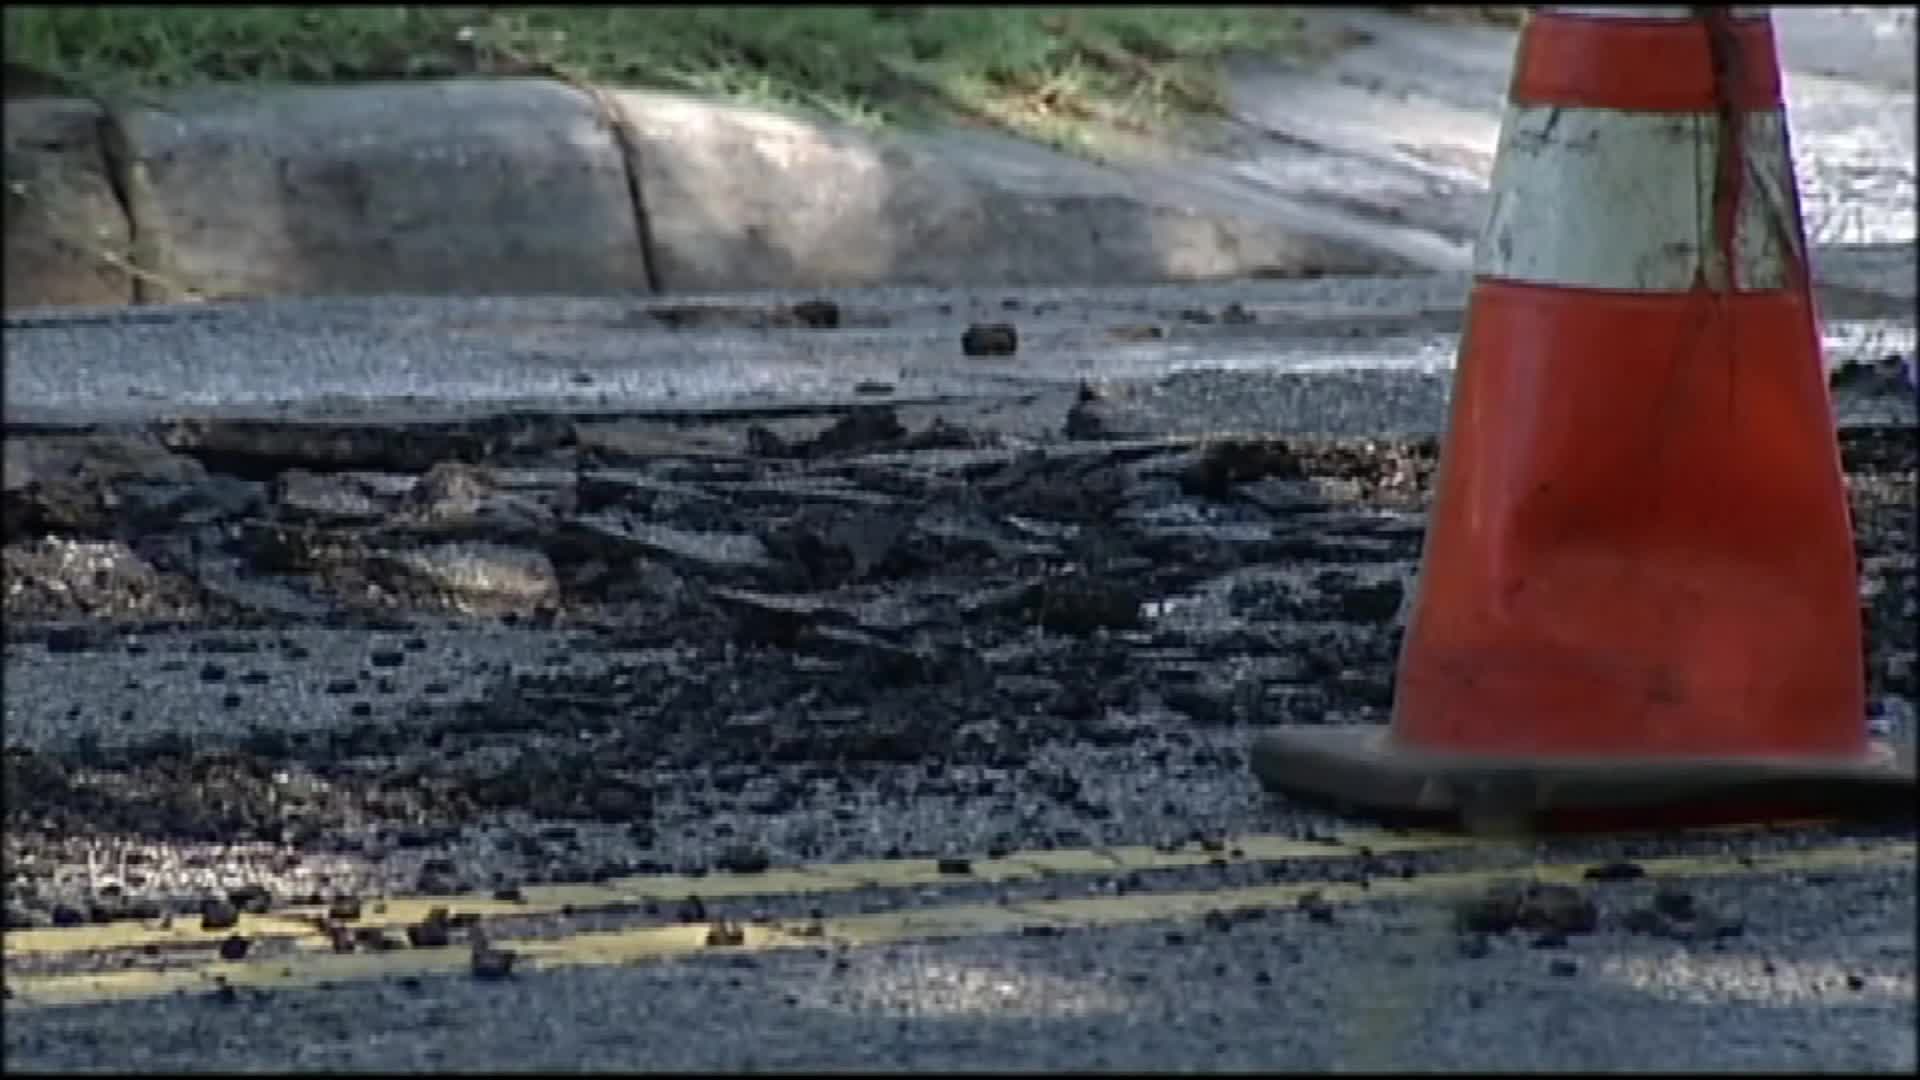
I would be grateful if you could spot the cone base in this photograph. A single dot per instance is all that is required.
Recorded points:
(1363, 769)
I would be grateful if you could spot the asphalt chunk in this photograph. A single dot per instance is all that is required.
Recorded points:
(743, 859)
(1674, 903)
(253, 899)
(218, 914)
(989, 339)
(1615, 871)
(489, 963)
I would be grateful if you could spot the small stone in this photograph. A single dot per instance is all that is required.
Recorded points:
(1564, 967)
(1495, 912)
(1856, 982)
(376, 939)
(408, 838)
(1615, 871)
(1316, 907)
(744, 859)
(1560, 908)
(217, 914)
(434, 931)
(1674, 903)
(1552, 939)
(614, 803)
(386, 658)
(435, 881)
(71, 639)
(428, 934)
(817, 314)
(1721, 929)
(1646, 921)
(213, 673)
(234, 948)
(989, 339)
(491, 963)
(1138, 332)
(251, 899)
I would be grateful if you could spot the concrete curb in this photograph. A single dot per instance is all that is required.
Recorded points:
(1372, 163)
(68, 237)
(530, 187)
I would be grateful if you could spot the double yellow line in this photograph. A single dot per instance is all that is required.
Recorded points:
(312, 963)
(300, 922)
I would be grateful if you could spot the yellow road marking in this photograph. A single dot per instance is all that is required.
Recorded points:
(298, 922)
(651, 943)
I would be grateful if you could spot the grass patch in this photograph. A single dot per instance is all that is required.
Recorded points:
(1058, 74)
(1510, 16)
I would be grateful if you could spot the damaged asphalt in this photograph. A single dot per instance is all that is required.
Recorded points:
(711, 589)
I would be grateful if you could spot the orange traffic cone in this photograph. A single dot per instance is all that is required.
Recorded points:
(1638, 590)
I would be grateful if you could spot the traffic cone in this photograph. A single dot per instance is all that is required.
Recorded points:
(1637, 602)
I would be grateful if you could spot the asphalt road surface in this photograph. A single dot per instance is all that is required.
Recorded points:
(477, 685)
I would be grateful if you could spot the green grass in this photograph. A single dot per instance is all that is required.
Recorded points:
(1058, 74)
(1511, 16)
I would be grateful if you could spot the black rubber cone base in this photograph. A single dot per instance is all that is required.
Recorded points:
(1362, 770)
